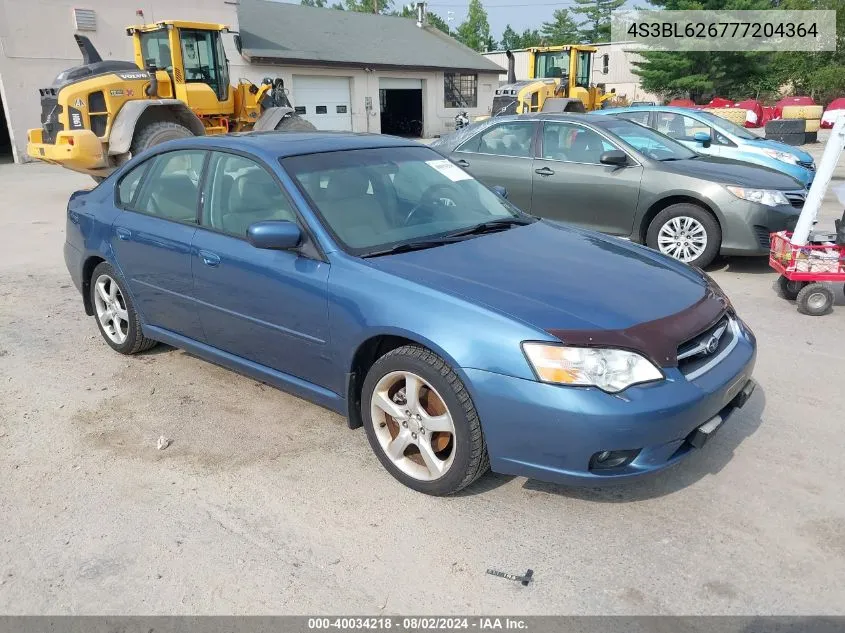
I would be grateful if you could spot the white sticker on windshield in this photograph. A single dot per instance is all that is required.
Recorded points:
(449, 169)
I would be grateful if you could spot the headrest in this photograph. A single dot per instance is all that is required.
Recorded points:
(347, 183)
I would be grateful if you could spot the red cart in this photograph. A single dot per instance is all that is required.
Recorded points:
(803, 270)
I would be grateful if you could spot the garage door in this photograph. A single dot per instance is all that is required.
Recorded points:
(324, 101)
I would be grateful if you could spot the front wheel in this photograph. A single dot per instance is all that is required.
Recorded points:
(421, 422)
(686, 232)
(815, 299)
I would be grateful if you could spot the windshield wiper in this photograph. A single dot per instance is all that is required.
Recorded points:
(492, 225)
(406, 247)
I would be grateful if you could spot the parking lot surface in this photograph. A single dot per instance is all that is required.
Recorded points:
(264, 503)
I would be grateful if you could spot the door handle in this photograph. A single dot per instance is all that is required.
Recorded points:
(209, 258)
(462, 163)
(544, 171)
(123, 234)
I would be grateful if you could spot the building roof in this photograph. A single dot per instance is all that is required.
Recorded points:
(276, 32)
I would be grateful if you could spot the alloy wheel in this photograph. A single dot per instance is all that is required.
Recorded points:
(110, 307)
(683, 238)
(413, 425)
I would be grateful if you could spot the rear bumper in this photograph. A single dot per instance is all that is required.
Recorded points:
(73, 261)
(78, 150)
(550, 432)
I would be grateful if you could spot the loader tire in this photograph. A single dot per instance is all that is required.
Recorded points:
(295, 123)
(811, 137)
(734, 115)
(802, 112)
(156, 133)
(812, 125)
(784, 126)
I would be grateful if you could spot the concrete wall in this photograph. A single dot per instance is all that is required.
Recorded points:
(36, 43)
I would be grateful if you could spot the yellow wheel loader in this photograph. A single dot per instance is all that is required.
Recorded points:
(98, 115)
(559, 81)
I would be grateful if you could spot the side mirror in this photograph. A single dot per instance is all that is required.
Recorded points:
(614, 157)
(278, 235)
(499, 190)
(703, 138)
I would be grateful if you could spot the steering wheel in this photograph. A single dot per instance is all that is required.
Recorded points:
(432, 197)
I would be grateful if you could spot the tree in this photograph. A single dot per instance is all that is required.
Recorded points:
(561, 30)
(439, 23)
(530, 37)
(475, 30)
(596, 27)
(314, 3)
(510, 39)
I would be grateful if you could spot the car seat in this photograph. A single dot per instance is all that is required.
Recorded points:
(353, 213)
(254, 197)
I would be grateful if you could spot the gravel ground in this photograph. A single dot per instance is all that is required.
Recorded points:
(266, 504)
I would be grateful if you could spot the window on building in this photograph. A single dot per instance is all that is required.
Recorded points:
(460, 91)
(605, 64)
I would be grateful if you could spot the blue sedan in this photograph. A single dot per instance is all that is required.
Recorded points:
(375, 278)
(711, 135)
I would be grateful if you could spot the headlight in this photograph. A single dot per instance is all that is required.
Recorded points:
(763, 196)
(784, 157)
(610, 370)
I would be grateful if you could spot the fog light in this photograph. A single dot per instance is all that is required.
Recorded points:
(605, 460)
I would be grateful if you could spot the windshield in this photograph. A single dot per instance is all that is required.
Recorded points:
(371, 199)
(730, 126)
(551, 65)
(648, 142)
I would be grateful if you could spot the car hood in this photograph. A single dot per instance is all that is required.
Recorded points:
(781, 147)
(555, 277)
(730, 172)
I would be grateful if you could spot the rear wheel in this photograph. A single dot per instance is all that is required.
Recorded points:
(686, 232)
(789, 289)
(421, 422)
(295, 123)
(156, 133)
(115, 313)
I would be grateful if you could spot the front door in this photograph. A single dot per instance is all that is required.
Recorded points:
(572, 185)
(683, 129)
(151, 238)
(502, 155)
(267, 306)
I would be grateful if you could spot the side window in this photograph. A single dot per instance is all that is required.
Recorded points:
(507, 139)
(720, 139)
(679, 126)
(128, 188)
(573, 143)
(636, 117)
(240, 192)
(171, 190)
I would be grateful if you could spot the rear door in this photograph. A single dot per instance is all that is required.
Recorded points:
(502, 155)
(151, 238)
(571, 184)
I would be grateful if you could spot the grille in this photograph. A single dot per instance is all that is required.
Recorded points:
(695, 355)
(50, 111)
(796, 199)
(96, 102)
(762, 234)
(178, 75)
(99, 123)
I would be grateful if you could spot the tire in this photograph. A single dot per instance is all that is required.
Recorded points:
(802, 112)
(704, 219)
(734, 115)
(133, 340)
(156, 133)
(797, 138)
(784, 126)
(812, 125)
(815, 299)
(461, 452)
(295, 123)
(811, 137)
(790, 289)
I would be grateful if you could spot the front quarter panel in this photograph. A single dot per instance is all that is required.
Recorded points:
(365, 302)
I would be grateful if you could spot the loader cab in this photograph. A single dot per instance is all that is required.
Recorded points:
(190, 63)
(572, 65)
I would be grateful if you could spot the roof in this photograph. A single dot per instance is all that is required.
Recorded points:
(276, 32)
(275, 144)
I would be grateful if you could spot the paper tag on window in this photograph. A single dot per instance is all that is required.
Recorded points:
(449, 169)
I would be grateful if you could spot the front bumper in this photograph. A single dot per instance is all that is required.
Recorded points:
(746, 226)
(78, 150)
(551, 432)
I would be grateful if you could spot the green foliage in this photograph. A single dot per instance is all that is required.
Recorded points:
(596, 27)
(561, 30)
(439, 23)
(510, 39)
(530, 37)
(475, 30)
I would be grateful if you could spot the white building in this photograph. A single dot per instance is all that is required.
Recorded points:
(612, 66)
(343, 70)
